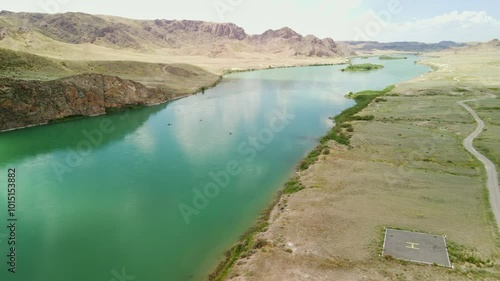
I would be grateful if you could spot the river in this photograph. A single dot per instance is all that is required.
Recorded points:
(159, 193)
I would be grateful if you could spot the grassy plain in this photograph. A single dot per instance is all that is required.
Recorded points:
(404, 168)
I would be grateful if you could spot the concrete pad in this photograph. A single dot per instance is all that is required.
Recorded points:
(416, 247)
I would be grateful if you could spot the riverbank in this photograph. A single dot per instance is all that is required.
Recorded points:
(29, 103)
(404, 168)
(339, 133)
(239, 70)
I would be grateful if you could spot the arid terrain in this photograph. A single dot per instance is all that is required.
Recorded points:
(405, 169)
(217, 47)
(163, 59)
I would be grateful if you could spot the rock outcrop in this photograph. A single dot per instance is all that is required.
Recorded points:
(3, 32)
(26, 103)
(310, 45)
(494, 43)
(225, 30)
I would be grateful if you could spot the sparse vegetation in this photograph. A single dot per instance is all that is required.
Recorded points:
(461, 254)
(293, 185)
(385, 57)
(247, 246)
(312, 157)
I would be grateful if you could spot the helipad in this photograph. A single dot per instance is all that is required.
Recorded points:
(416, 247)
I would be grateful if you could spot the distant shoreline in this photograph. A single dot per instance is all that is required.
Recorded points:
(200, 90)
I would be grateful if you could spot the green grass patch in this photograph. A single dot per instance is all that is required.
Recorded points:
(362, 67)
(312, 157)
(293, 185)
(339, 132)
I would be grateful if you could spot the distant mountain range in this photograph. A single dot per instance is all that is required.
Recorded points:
(402, 46)
(184, 37)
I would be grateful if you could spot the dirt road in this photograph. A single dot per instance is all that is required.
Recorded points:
(491, 171)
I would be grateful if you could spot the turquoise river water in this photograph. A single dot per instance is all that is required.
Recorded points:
(129, 197)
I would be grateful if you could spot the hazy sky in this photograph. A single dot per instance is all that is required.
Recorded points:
(397, 20)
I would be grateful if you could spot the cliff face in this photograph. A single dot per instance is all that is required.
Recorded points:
(24, 103)
(226, 30)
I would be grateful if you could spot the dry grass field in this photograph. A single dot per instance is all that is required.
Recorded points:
(405, 169)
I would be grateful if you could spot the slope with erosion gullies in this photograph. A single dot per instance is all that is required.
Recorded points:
(182, 37)
(177, 79)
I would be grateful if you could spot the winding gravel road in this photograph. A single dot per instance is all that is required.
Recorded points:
(491, 171)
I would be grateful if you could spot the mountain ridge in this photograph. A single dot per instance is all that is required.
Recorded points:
(179, 35)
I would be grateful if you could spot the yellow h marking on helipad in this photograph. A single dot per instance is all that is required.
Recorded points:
(412, 246)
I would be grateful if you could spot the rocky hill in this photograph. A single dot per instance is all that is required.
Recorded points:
(185, 37)
(490, 46)
(26, 103)
(121, 69)
(494, 43)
